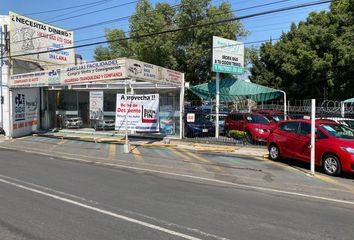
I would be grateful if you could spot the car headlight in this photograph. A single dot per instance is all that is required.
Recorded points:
(260, 130)
(348, 149)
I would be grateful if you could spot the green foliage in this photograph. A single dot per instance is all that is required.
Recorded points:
(240, 135)
(187, 51)
(316, 54)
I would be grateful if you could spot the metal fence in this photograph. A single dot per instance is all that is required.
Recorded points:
(248, 123)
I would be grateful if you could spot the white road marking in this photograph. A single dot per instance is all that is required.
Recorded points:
(263, 189)
(112, 214)
(197, 231)
(48, 189)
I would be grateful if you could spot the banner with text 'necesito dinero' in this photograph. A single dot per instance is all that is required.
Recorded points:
(139, 112)
(29, 36)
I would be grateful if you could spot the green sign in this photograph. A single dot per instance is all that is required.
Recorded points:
(227, 69)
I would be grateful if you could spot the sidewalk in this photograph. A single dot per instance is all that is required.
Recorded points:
(186, 161)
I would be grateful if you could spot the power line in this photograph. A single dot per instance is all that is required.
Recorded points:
(173, 6)
(81, 9)
(66, 8)
(184, 28)
(96, 11)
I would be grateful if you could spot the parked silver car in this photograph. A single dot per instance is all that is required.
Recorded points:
(73, 122)
(106, 123)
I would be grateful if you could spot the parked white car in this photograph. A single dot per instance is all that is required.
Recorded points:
(212, 117)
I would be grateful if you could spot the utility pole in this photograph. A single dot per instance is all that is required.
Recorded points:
(1, 63)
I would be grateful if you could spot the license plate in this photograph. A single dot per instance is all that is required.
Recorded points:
(205, 130)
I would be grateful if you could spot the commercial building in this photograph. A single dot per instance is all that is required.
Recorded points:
(51, 95)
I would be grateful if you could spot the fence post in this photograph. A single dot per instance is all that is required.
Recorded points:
(217, 104)
(313, 134)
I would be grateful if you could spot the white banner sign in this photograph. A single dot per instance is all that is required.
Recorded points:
(29, 36)
(83, 73)
(228, 56)
(25, 111)
(96, 105)
(115, 69)
(95, 71)
(140, 112)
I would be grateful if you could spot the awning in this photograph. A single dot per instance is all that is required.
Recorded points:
(232, 90)
(351, 100)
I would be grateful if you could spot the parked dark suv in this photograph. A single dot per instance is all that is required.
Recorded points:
(256, 126)
(201, 127)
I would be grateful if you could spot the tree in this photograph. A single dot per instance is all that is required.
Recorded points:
(315, 55)
(188, 51)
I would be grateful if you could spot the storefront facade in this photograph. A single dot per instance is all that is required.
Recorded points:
(51, 99)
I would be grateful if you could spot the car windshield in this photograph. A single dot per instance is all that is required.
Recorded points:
(338, 131)
(257, 119)
(277, 118)
(350, 123)
(200, 118)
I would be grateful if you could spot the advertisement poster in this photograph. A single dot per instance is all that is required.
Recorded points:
(166, 119)
(228, 56)
(25, 111)
(96, 105)
(29, 36)
(140, 112)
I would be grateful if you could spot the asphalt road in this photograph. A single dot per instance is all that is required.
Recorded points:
(47, 198)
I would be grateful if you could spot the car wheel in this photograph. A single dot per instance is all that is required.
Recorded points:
(249, 137)
(331, 165)
(274, 153)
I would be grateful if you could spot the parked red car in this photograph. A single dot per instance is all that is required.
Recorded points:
(334, 149)
(272, 115)
(256, 126)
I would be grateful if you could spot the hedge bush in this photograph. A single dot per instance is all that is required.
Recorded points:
(237, 134)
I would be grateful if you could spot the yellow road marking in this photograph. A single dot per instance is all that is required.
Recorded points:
(216, 149)
(158, 145)
(137, 153)
(187, 159)
(199, 158)
(320, 177)
(109, 140)
(283, 166)
(62, 141)
(112, 151)
(23, 137)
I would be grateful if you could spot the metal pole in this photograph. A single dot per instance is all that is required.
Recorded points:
(126, 145)
(181, 108)
(285, 114)
(313, 132)
(217, 98)
(1, 61)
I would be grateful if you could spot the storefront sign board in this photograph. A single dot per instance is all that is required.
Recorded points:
(228, 56)
(153, 73)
